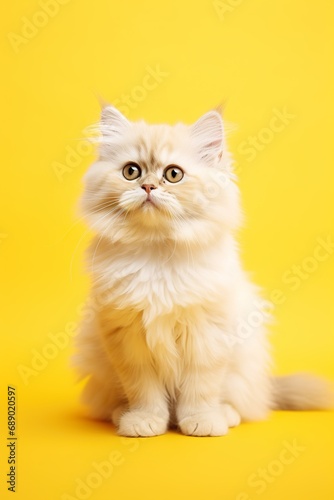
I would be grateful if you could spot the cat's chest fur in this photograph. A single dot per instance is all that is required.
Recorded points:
(157, 279)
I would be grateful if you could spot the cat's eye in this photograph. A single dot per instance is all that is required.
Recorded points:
(173, 173)
(131, 171)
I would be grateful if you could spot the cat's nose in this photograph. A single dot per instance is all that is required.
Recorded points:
(148, 187)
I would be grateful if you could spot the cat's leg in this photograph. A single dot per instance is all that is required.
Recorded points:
(146, 412)
(142, 416)
(200, 410)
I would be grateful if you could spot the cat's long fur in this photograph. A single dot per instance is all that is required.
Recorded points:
(179, 334)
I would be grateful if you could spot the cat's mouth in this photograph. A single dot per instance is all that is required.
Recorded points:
(149, 202)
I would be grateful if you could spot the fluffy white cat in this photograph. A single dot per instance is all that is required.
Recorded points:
(178, 337)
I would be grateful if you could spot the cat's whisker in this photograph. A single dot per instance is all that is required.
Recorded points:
(83, 218)
(102, 206)
(77, 246)
(109, 224)
(75, 250)
(188, 247)
(99, 241)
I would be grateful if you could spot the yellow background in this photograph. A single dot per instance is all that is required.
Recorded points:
(257, 56)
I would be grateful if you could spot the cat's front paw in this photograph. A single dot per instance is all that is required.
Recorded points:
(210, 423)
(141, 423)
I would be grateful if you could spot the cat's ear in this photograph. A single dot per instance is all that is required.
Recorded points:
(208, 136)
(112, 123)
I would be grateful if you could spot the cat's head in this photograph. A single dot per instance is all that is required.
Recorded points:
(160, 182)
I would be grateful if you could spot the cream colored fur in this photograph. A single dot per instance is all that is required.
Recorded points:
(178, 338)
